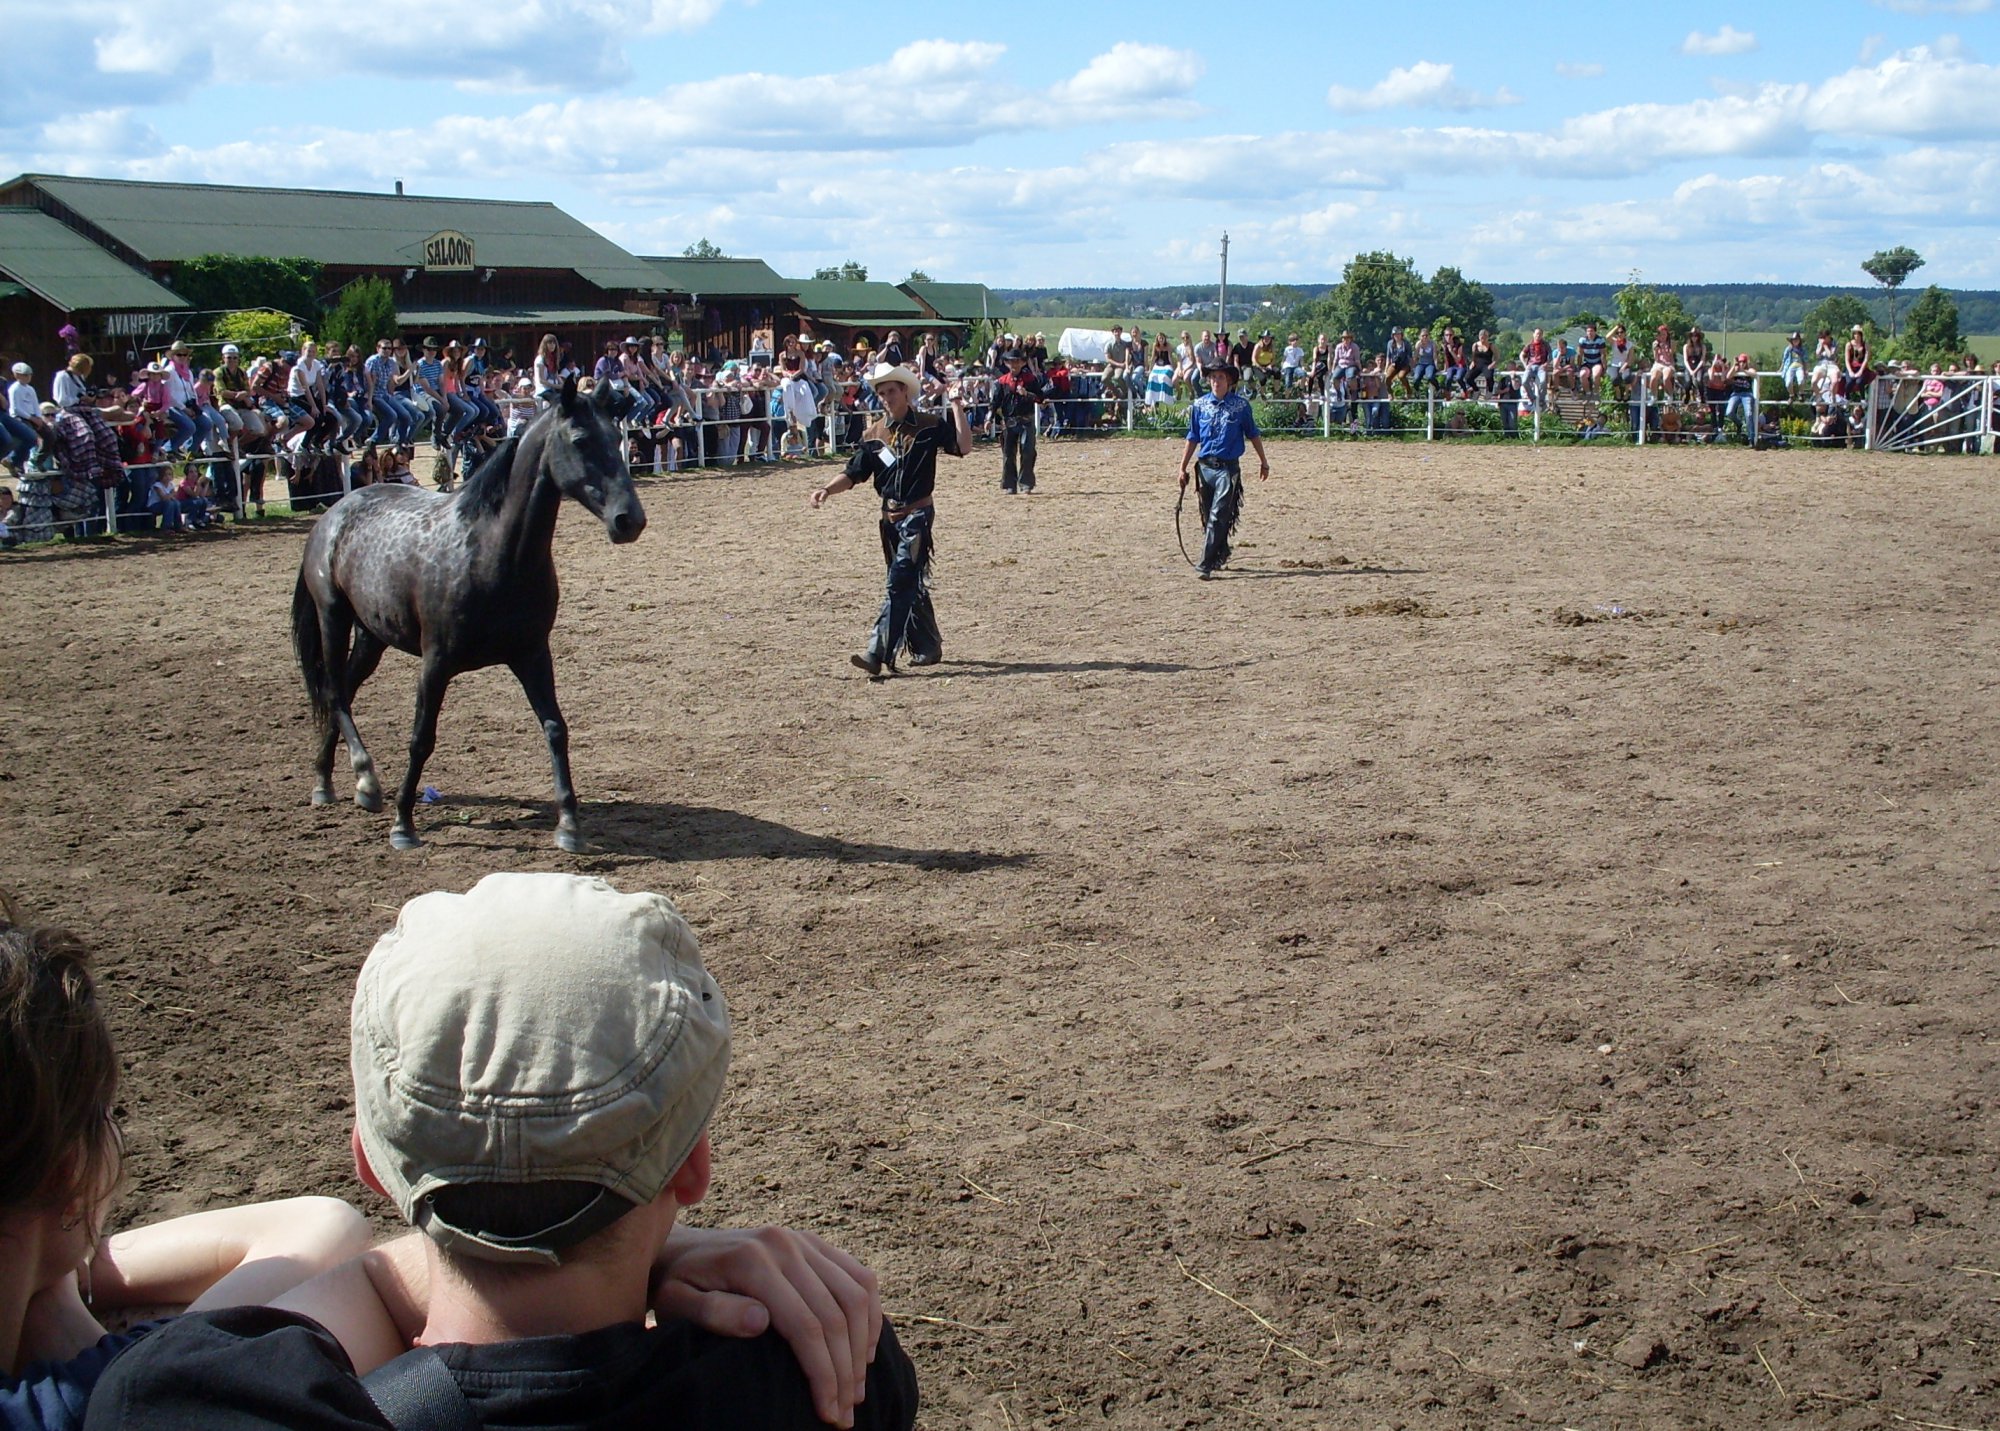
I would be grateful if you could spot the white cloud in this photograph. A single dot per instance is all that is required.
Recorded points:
(1727, 41)
(1915, 94)
(1128, 72)
(1425, 84)
(1579, 71)
(1936, 7)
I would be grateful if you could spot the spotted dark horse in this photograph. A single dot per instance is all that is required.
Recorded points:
(460, 582)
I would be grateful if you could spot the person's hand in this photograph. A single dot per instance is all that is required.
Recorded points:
(818, 498)
(738, 1283)
(1184, 477)
(1263, 470)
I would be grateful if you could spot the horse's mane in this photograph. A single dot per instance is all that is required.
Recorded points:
(486, 489)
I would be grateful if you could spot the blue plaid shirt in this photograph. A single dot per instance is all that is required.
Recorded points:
(1220, 426)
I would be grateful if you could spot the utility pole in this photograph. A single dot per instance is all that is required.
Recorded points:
(1222, 298)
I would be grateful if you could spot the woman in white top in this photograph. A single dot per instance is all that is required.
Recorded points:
(548, 369)
(306, 389)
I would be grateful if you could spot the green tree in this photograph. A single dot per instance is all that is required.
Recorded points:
(1642, 309)
(1583, 316)
(1837, 313)
(1933, 331)
(917, 275)
(1379, 291)
(258, 330)
(1467, 305)
(702, 248)
(1889, 267)
(365, 311)
(215, 284)
(850, 272)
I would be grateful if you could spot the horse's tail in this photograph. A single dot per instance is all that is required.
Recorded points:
(312, 656)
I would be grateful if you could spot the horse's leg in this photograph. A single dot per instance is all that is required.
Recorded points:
(537, 674)
(336, 629)
(423, 739)
(361, 664)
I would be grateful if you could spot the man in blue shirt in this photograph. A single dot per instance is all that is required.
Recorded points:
(1218, 426)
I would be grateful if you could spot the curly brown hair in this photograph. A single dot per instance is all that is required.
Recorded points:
(58, 1070)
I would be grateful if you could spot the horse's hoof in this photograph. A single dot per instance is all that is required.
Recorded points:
(570, 842)
(404, 840)
(369, 800)
(322, 797)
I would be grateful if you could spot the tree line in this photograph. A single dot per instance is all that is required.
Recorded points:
(1750, 307)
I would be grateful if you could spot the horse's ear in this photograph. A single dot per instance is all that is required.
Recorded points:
(569, 395)
(604, 399)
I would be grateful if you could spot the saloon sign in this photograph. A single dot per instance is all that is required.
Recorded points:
(447, 251)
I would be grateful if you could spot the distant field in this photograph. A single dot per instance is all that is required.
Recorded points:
(1752, 341)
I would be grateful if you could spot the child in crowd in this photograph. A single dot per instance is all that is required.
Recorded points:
(7, 537)
(59, 1165)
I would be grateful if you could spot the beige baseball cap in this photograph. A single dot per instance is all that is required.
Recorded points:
(533, 1059)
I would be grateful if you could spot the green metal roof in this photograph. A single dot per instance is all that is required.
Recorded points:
(529, 317)
(60, 265)
(722, 277)
(916, 321)
(837, 298)
(165, 222)
(967, 302)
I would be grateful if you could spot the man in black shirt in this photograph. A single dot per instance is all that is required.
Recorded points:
(899, 453)
(1016, 395)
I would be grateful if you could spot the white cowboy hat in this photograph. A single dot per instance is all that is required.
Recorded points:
(898, 373)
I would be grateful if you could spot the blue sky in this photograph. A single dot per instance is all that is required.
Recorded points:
(1044, 145)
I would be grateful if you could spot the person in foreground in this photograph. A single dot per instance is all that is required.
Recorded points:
(1218, 425)
(59, 1157)
(535, 1066)
(899, 452)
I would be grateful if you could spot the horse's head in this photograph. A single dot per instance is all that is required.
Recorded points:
(587, 461)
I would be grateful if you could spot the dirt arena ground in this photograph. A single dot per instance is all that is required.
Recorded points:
(1517, 950)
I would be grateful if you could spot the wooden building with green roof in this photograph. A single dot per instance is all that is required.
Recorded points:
(500, 269)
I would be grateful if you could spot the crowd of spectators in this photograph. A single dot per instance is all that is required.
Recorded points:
(175, 438)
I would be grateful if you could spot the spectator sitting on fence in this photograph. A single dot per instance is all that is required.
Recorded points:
(1589, 359)
(1534, 359)
(1423, 360)
(1855, 365)
(1206, 351)
(1715, 388)
(1481, 363)
(1291, 363)
(21, 429)
(1792, 366)
(1742, 405)
(1320, 368)
(1660, 377)
(1618, 360)
(1451, 361)
(1694, 359)
(1346, 366)
(1397, 359)
(1263, 359)
(1562, 366)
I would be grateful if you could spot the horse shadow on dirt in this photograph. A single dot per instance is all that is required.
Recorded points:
(660, 831)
